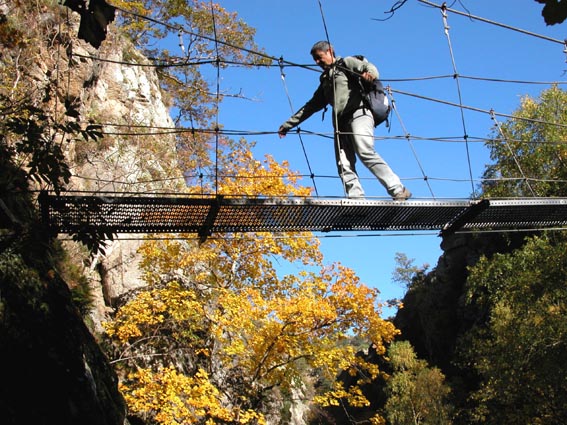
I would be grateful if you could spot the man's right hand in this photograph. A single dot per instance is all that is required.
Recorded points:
(367, 76)
(282, 131)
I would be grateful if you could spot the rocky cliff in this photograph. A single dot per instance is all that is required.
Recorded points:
(113, 86)
(53, 370)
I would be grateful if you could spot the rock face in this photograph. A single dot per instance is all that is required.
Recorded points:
(123, 94)
(435, 314)
(53, 370)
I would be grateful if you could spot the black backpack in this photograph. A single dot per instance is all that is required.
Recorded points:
(373, 95)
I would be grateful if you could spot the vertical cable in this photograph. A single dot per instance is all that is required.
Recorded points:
(311, 174)
(324, 22)
(335, 117)
(217, 101)
(194, 148)
(456, 77)
(408, 138)
(512, 154)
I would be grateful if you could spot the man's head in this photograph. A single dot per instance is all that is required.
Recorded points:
(323, 54)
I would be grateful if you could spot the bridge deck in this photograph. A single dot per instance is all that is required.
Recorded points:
(207, 215)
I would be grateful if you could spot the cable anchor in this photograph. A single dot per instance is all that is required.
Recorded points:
(445, 21)
(281, 64)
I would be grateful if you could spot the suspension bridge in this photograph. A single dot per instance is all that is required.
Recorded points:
(212, 213)
(223, 214)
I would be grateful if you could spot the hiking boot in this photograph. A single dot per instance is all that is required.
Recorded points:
(403, 195)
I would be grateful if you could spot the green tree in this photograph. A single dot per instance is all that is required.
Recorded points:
(530, 158)
(417, 394)
(218, 333)
(474, 327)
(520, 353)
(406, 273)
(518, 297)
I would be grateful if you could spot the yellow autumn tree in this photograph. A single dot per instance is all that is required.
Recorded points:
(220, 331)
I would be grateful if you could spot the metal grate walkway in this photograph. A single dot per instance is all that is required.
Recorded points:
(207, 215)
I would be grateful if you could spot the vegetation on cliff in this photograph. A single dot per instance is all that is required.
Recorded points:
(219, 334)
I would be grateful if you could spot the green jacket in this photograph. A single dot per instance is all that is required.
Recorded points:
(344, 97)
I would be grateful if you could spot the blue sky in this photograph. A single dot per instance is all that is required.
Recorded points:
(411, 44)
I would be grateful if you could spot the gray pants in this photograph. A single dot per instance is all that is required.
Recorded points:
(356, 138)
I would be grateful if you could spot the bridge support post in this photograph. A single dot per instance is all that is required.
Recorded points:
(466, 216)
(205, 230)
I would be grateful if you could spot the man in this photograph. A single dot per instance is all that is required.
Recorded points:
(354, 122)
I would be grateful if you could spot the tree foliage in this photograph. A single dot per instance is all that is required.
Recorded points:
(528, 151)
(417, 393)
(218, 332)
(220, 313)
(406, 272)
(490, 314)
(519, 354)
(518, 334)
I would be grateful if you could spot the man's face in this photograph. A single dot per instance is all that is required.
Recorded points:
(323, 58)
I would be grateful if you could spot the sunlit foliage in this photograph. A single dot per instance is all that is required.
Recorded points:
(417, 393)
(519, 354)
(517, 342)
(529, 154)
(219, 314)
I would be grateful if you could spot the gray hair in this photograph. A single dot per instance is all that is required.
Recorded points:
(321, 46)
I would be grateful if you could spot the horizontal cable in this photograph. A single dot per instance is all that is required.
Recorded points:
(180, 28)
(502, 80)
(484, 111)
(488, 21)
(181, 63)
(231, 132)
(319, 176)
(471, 77)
